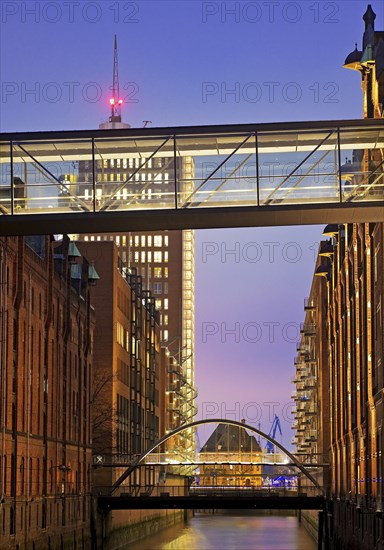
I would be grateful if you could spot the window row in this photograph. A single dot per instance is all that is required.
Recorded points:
(131, 163)
(147, 256)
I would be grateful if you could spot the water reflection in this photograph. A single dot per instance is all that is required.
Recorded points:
(224, 532)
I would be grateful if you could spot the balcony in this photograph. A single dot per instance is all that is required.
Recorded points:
(302, 349)
(311, 436)
(310, 382)
(309, 305)
(326, 249)
(311, 410)
(308, 329)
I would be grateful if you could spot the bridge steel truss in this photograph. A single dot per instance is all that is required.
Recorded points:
(243, 175)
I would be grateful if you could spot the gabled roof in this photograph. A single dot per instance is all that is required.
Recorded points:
(228, 438)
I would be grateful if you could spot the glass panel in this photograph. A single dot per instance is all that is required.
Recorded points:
(135, 174)
(222, 171)
(5, 178)
(362, 166)
(46, 176)
(139, 173)
(298, 168)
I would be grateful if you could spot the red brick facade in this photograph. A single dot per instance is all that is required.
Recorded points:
(46, 356)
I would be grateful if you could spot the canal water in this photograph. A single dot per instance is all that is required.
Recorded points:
(231, 532)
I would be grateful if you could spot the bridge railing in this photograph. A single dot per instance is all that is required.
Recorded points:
(204, 491)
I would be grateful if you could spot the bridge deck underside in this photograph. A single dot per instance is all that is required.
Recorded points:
(195, 177)
(210, 502)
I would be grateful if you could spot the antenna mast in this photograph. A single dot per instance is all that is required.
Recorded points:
(115, 100)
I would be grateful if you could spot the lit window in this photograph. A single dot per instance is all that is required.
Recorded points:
(130, 163)
(124, 240)
(143, 240)
(149, 256)
(105, 163)
(137, 162)
(124, 163)
(143, 257)
(157, 272)
(158, 304)
(165, 320)
(165, 240)
(136, 240)
(137, 256)
(118, 163)
(112, 177)
(112, 163)
(157, 257)
(149, 240)
(92, 238)
(117, 240)
(166, 272)
(98, 238)
(120, 333)
(157, 240)
(149, 164)
(165, 335)
(86, 238)
(166, 303)
(166, 256)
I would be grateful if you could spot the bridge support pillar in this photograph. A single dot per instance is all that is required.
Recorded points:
(321, 531)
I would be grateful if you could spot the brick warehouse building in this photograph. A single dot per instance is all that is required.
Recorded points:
(132, 394)
(47, 323)
(352, 267)
(356, 341)
(127, 365)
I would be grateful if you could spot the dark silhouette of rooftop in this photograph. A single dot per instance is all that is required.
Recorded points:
(227, 438)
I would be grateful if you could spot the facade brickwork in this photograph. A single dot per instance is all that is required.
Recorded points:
(46, 366)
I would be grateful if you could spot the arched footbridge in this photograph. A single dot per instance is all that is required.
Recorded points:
(301, 491)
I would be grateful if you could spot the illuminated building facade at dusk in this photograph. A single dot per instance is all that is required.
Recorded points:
(47, 328)
(350, 282)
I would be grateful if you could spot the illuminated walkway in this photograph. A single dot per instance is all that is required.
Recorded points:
(192, 177)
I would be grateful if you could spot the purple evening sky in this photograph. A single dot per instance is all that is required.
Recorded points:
(179, 62)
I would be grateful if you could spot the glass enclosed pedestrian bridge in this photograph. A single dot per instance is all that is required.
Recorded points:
(192, 177)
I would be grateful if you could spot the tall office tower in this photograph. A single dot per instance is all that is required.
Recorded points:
(144, 174)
